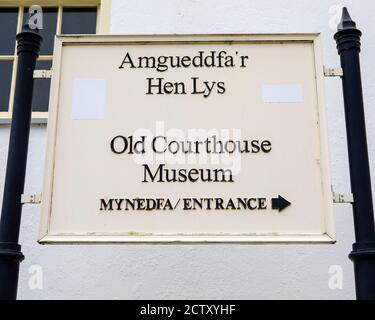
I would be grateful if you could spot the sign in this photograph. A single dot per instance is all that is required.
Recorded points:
(218, 138)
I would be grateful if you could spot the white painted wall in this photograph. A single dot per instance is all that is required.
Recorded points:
(215, 271)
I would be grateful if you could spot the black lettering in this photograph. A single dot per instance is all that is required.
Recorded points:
(221, 87)
(243, 58)
(124, 144)
(151, 85)
(107, 206)
(249, 203)
(262, 204)
(266, 146)
(195, 90)
(127, 59)
(148, 173)
(255, 146)
(149, 62)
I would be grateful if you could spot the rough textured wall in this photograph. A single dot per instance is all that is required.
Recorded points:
(215, 271)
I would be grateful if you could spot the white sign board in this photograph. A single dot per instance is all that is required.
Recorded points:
(216, 138)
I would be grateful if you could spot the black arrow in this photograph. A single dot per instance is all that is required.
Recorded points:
(280, 203)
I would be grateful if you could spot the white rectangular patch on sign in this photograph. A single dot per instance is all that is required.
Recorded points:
(282, 93)
(88, 102)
